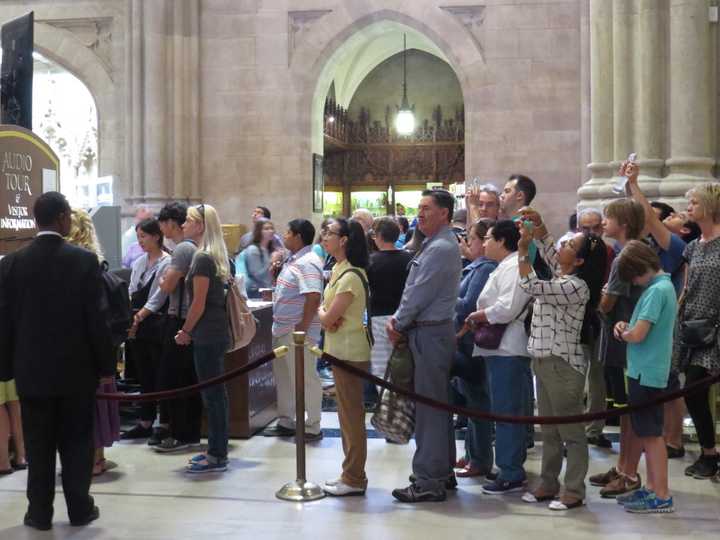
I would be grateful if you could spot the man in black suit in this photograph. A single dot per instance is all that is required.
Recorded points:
(55, 343)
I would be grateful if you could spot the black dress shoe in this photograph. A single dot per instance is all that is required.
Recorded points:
(278, 431)
(92, 516)
(601, 441)
(158, 436)
(450, 484)
(137, 432)
(674, 453)
(413, 494)
(40, 526)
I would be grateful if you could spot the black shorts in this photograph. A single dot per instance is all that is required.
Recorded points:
(646, 422)
(616, 387)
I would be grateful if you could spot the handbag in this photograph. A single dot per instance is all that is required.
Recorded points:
(489, 336)
(152, 328)
(699, 333)
(242, 325)
(394, 416)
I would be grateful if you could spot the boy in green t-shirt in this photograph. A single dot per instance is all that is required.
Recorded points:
(649, 337)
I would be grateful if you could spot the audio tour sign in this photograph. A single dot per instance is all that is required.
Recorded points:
(28, 167)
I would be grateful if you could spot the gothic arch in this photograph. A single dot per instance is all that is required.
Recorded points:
(64, 48)
(318, 50)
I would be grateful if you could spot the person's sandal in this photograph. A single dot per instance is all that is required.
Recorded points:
(99, 467)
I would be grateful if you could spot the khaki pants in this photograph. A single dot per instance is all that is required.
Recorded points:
(351, 413)
(560, 392)
(284, 373)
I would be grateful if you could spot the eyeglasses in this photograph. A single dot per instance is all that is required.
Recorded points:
(201, 210)
(328, 232)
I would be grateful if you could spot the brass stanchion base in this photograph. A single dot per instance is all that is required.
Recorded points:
(299, 491)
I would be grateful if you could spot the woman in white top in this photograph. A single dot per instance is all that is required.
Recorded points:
(146, 347)
(564, 317)
(503, 302)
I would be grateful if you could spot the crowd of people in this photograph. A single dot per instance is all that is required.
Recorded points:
(498, 316)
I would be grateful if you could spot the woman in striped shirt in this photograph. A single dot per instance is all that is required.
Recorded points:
(563, 319)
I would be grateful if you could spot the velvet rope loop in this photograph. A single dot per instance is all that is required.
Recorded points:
(188, 390)
(472, 413)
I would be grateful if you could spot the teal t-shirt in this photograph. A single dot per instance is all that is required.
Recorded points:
(649, 360)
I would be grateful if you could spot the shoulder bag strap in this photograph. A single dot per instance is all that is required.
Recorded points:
(366, 286)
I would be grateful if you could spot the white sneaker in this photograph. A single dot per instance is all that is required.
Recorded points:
(340, 489)
(335, 482)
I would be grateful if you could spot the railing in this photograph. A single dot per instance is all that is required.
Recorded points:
(340, 127)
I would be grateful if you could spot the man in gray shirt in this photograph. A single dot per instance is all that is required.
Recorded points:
(425, 317)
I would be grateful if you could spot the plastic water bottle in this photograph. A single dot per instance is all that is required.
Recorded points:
(619, 187)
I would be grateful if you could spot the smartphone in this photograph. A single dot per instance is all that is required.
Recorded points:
(619, 186)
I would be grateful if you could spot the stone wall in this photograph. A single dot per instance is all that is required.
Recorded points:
(222, 99)
(519, 68)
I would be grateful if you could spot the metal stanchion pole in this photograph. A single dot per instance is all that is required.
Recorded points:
(300, 490)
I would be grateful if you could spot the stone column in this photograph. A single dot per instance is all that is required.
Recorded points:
(155, 84)
(601, 100)
(622, 79)
(692, 108)
(649, 83)
(163, 152)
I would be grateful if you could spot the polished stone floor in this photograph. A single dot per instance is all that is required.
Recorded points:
(149, 497)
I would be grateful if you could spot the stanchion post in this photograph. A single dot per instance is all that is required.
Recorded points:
(300, 490)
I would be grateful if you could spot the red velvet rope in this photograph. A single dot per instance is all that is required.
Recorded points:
(188, 390)
(472, 413)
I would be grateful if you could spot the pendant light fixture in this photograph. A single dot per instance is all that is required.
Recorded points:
(405, 119)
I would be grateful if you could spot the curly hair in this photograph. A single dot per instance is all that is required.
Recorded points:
(82, 232)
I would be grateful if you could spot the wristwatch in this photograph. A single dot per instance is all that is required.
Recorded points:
(524, 258)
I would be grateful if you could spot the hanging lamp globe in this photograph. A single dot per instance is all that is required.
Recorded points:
(405, 122)
(405, 119)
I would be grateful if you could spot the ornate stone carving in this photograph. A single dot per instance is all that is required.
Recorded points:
(95, 34)
(298, 23)
(472, 18)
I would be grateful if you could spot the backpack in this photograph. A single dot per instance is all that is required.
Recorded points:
(241, 322)
(115, 303)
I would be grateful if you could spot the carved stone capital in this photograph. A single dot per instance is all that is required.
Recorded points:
(473, 19)
(298, 23)
(94, 33)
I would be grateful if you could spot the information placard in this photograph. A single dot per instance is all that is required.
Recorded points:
(28, 166)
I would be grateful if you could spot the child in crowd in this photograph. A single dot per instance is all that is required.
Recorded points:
(649, 336)
(624, 221)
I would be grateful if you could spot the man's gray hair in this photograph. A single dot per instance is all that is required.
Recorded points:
(588, 211)
(487, 187)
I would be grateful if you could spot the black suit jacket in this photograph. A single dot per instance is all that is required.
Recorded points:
(54, 340)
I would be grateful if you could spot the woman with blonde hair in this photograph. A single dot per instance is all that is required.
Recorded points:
(698, 304)
(206, 328)
(107, 415)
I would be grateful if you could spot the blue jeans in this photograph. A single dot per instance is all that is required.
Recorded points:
(471, 390)
(209, 363)
(507, 380)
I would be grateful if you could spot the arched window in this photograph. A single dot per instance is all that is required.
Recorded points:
(65, 116)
